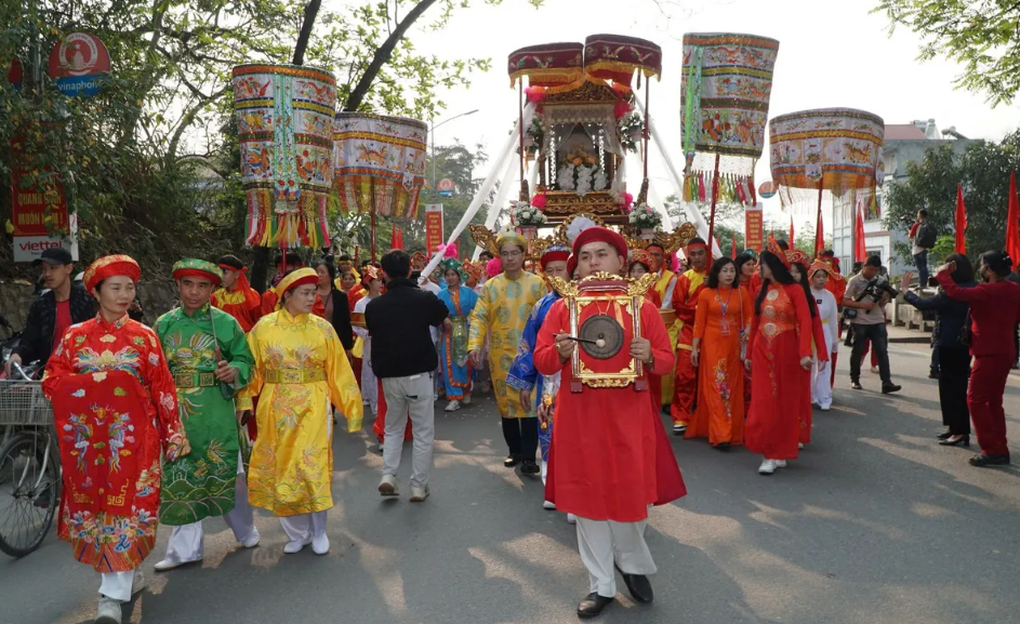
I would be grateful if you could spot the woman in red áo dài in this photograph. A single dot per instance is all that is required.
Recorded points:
(115, 407)
(780, 348)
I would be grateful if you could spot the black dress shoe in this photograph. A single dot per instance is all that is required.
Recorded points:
(511, 461)
(592, 605)
(856, 385)
(961, 441)
(945, 435)
(528, 466)
(723, 446)
(989, 460)
(890, 388)
(638, 585)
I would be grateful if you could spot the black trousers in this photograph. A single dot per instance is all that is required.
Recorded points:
(953, 380)
(879, 338)
(521, 435)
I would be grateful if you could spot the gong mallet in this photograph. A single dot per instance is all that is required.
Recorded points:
(598, 343)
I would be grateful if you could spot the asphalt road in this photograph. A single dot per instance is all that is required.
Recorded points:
(875, 523)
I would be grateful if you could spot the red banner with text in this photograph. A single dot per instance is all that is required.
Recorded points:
(433, 227)
(754, 233)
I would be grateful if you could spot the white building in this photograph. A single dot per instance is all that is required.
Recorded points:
(904, 143)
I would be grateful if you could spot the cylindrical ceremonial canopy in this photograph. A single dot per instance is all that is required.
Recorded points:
(835, 149)
(726, 86)
(285, 130)
(379, 163)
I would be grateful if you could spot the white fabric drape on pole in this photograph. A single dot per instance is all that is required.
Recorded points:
(496, 207)
(487, 186)
(678, 186)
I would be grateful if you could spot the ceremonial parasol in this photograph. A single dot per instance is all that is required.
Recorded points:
(379, 164)
(834, 149)
(285, 130)
(726, 86)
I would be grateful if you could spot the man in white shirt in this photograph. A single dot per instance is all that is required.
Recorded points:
(821, 390)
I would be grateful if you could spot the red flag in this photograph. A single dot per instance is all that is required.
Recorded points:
(791, 233)
(860, 248)
(961, 222)
(733, 245)
(1012, 219)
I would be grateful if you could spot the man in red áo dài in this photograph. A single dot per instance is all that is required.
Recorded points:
(685, 303)
(610, 459)
(235, 296)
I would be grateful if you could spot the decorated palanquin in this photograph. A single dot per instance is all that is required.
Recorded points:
(604, 313)
(285, 130)
(379, 163)
(584, 122)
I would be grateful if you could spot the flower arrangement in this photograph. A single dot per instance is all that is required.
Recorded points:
(642, 216)
(632, 128)
(525, 214)
(580, 172)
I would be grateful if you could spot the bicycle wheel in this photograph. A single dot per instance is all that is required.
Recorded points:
(29, 491)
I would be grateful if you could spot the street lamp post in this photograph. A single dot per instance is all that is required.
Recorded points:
(432, 133)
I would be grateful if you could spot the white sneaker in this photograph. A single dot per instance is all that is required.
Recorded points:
(170, 564)
(826, 408)
(293, 548)
(418, 494)
(874, 369)
(320, 544)
(767, 467)
(548, 505)
(109, 611)
(254, 540)
(453, 406)
(571, 518)
(780, 463)
(800, 446)
(388, 485)
(467, 399)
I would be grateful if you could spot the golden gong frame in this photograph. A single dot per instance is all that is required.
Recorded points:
(602, 288)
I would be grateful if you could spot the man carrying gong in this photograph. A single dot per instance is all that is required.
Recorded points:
(610, 459)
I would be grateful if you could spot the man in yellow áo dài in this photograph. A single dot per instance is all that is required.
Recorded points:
(501, 313)
(300, 369)
(664, 287)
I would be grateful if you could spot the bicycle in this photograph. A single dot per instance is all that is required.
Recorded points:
(29, 465)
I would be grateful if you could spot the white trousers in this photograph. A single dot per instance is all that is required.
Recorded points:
(821, 389)
(409, 397)
(303, 527)
(117, 585)
(187, 541)
(603, 543)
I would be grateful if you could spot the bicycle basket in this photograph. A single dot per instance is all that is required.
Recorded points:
(23, 403)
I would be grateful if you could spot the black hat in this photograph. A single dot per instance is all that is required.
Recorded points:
(54, 256)
(231, 261)
(293, 259)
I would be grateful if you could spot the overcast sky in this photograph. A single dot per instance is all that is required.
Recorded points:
(839, 56)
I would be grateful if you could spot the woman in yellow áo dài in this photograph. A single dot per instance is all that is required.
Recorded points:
(501, 313)
(300, 369)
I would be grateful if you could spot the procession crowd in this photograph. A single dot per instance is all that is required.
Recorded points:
(230, 400)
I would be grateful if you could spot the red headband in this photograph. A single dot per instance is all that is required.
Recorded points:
(197, 274)
(227, 267)
(554, 256)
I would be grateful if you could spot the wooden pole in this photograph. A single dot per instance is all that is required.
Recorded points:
(819, 241)
(711, 218)
(373, 236)
(648, 97)
(520, 143)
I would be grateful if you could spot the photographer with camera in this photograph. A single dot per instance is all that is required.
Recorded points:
(867, 293)
(923, 235)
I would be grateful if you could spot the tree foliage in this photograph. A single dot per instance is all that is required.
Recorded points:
(983, 169)
(127, 155)
(981, 35)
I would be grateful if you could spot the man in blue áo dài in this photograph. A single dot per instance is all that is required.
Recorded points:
(522, 376)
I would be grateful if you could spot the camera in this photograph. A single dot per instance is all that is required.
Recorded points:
(879, 286)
